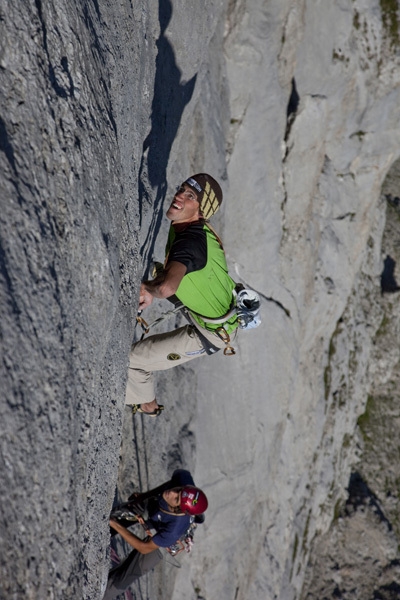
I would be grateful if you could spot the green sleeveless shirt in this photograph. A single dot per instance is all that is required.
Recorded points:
(207, 292)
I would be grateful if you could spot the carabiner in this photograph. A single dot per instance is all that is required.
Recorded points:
(229, 351)
(142, 323)
(224, 336)
(222, 333)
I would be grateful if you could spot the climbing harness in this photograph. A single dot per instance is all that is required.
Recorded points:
(245, 304)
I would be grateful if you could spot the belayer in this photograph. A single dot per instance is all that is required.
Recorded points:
(168, 513)
(194, 272)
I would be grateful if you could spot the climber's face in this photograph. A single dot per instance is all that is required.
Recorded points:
(173, 497)
(185, 206)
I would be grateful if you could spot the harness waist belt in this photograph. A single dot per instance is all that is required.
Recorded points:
(219, 320)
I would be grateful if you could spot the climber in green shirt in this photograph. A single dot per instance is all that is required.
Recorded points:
(196, 273)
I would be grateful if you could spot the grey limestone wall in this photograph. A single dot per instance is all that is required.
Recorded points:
(104, 108)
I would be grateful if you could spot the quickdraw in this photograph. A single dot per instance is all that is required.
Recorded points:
(224, 336)
(143, 324)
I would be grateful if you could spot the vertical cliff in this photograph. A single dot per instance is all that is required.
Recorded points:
(105, 107)
(68, 274)
(309, 152)
(359, 555)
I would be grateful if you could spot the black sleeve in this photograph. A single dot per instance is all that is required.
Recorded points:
(190, 248)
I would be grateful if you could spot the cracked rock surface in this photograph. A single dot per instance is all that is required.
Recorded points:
(294, 107)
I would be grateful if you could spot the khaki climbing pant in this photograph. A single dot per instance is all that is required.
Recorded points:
(160, 352)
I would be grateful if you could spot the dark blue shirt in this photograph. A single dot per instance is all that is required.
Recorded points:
(170, 527)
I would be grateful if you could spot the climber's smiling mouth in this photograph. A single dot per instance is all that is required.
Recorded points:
(185, 207)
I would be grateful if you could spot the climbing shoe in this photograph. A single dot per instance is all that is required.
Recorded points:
(136, 408)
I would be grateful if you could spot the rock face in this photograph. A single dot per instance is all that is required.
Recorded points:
(359, 555)
(294, 107)
(68, 280)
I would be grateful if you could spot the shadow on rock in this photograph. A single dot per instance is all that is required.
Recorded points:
(388, 280)
(361, 495)
(169, 101)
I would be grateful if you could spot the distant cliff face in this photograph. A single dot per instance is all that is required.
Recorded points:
(360, 551)
(308, 152)
(104, 109)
